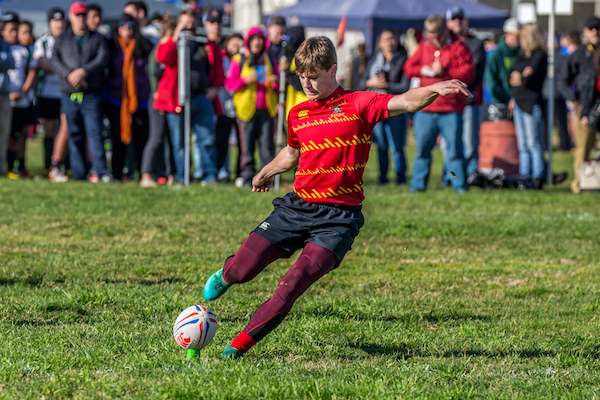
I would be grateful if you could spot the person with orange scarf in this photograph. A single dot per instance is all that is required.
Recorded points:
(126, 92)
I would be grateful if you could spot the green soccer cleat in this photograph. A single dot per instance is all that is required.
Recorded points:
(230, 352)
(215, 287)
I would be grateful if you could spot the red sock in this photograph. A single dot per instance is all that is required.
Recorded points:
(243, 342)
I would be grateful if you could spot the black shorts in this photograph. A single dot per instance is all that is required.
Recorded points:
(295, 222)
(47, 108)
(21, 117)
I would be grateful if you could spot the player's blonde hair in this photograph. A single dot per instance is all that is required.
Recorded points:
(315, 53)
(435, 24)
(532, 38)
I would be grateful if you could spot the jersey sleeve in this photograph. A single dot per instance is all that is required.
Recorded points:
(38, 49)
(372, 107)
(292, 139)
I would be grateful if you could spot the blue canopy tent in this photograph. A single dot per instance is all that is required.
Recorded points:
(372, 16)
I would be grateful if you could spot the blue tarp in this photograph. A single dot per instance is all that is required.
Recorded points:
(372, 16)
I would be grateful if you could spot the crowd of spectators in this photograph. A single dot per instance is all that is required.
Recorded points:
(108, 104)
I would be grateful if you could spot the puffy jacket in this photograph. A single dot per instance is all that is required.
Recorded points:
(92, 57)
(7, 62)
(457, 63)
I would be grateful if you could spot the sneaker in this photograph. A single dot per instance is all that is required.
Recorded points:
(239, 182)
(57, 176)
(215, 287)
(24, 173)
(230, 352)
(93, 178)
(148, 183)
(11, 175)
(161, 181)
(107, 178)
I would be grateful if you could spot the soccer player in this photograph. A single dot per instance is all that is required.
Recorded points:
(329, 137)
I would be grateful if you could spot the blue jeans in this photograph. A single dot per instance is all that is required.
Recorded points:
(202, 122)
(427, 126)
(529, 141)
(470, 141)
(391, 134)
(85, 119)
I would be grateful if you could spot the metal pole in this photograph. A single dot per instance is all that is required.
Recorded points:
(183, 76)
(280, 116)
(550, 91)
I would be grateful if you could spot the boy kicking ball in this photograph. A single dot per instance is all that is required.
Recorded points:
(329, 137)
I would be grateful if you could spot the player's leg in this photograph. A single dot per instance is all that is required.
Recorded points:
(425, 128)
(252, 257)
(314, 262)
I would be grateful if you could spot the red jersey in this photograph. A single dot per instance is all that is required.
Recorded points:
(334, 136)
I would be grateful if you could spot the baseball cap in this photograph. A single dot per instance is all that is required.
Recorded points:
(5, 17)
(455, 12)
(55, 13)
(79, 7)
(511, 25)
(592, 22)
(158, 14)
(10, 17)
(214, 16)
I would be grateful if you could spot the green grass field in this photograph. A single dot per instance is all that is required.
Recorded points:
(490, 294)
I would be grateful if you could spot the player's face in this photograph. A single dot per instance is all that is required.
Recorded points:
(387, 42)
(94, 19)
(320, 84)
(24, 35)
(9, 33)
(57, 26)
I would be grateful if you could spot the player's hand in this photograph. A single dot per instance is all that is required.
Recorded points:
(212, 92)
(378, 82)
(76, 77)
(261, 184)
(515, 79)
(453, 86)
(250, 79)
(272, 78)
(585, 122)
(15, 96)
(437, 68)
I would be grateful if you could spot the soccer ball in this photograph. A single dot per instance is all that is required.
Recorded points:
(195, 327)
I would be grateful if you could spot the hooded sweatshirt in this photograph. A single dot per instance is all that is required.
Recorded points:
(265, 97)
(496, 72)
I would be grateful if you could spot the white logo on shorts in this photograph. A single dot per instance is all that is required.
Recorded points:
(264, 226)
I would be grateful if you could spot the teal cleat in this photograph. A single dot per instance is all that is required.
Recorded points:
(230, 352)
(215, 287)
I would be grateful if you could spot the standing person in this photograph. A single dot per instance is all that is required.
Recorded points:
(577, 74)
(569, 41)
(94, 17)
(79, 58)
(139, 11)
(323, 213)
(500, 62)
(233, 44)
(384, 74)
(21, 81)
(275, 35)
(458, 24)
(527, 80)
(126, 92)
(48, 101)
(357, 67)
(253, 76)
(202, 109)
(440, 56)
(159, 131)
(7, 62)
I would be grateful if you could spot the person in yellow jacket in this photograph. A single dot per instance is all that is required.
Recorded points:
(253, 77)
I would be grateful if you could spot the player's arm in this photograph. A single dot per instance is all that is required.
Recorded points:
(286, 160)
(418, 98)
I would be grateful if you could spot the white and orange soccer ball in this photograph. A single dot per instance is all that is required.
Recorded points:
(195, 327)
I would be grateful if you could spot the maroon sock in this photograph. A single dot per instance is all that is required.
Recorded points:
(254, 255)
(314, 262)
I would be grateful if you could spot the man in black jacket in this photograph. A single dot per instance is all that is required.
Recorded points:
(385, 74)
(79, 60)
(577, 75)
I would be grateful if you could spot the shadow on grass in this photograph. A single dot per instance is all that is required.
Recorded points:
(404, 352)
(142, 282)
(33, 281)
